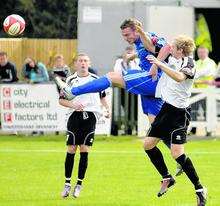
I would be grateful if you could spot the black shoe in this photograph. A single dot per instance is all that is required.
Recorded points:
(165, 184)
(201, 195)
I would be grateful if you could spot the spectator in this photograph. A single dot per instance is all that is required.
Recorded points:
(8, 72)
(59, 68)
(35, 72)
(125, 62)
(204, 78)
(205, 69)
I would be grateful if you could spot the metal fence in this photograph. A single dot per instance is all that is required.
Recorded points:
(124, 112)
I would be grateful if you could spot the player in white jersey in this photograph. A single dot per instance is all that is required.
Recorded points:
(171, 123)
(81, 123)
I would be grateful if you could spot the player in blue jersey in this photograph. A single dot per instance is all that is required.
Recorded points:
(134, 81)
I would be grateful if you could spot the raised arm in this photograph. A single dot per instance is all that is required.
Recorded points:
(146, 40)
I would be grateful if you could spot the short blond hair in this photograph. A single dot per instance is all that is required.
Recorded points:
(185, 43)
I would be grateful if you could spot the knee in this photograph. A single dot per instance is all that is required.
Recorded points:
(175, 152)
(71, 149)
(148, 144)
(84, 148)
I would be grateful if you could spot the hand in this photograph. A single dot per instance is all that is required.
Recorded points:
(153, 60)
(139, 29)
(107, 114)
(128, 57)
(78, 106)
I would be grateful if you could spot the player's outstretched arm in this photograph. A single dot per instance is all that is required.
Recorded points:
(175, 75)
(146, 40)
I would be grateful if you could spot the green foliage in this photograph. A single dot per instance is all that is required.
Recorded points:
(119, 174)
(44, 18)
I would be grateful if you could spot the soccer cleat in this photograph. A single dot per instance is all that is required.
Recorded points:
(201, 195)
(179, 170)
(165, 184)
(65, 88)
(77, 190)
(66, 190)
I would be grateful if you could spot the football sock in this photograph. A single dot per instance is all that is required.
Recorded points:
(94, 86)
(69, 166)
(83, 163)
(189, 169)
(79, 182)
(156, 158)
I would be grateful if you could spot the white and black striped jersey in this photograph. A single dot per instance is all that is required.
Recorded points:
(173, 92)
(91, 101)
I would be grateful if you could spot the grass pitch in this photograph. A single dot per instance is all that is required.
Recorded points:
(119, 174)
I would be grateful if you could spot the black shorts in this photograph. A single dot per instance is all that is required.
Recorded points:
(171, 124)
(81, 128)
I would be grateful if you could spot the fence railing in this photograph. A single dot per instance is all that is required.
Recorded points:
(124, 112)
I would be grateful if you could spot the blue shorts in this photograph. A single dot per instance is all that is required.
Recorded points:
(151, 105)
(140, 82)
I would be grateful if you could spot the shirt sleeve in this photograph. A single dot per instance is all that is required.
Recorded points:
(157, 41)
(188, 67)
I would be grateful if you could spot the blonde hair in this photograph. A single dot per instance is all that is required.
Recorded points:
(185, 43)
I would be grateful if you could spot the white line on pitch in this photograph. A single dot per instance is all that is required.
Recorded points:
(93, 151)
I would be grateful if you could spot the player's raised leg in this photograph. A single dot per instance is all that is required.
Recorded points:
(97, 85)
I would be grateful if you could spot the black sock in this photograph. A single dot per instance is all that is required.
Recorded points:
(189, 169)
(69, 162)
(156, 158)
(79, 182)
(83, 163)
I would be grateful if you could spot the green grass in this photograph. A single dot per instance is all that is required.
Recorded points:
(119, 174)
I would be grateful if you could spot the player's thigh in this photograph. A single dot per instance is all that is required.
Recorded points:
(150, 142)
(116, 79)
(177, 150)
